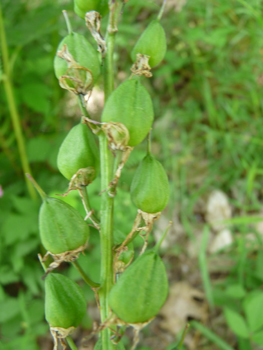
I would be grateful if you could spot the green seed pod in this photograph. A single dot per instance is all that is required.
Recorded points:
(98, 345)
(131, 105)
(65, 304)
(141, 290)
(150, 187)
(78, 150)
(61, 226)
(152, 43)
(83, 6)
(82, 52)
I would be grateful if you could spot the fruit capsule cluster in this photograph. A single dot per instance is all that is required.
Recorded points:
(142, 287)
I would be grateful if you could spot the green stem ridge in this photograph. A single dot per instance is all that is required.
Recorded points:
(84, 276)
(8, 86)
(106, 238)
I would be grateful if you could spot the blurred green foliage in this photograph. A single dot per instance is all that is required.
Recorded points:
(208, 104)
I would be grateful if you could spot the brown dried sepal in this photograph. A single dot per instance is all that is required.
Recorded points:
(113, 320)
(77, 79)
(148, 219)
(68, 256)
(141, 66)
(83, 177)
(93, 22)
(59, 334)
(118, 138)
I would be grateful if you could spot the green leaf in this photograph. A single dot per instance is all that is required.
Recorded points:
(7, 275)
(253, 306)
(36, 96)
(32, 277)
(11, 328)
(235, 291)
(258, 337)
(8, 309)
(24, 248)
(18, 228)
(237, 323)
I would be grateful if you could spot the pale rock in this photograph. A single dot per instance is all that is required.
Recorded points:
(217, 209)
(221, 240)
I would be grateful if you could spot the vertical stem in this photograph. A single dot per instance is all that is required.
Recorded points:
(106, 278)
(108, 60)
(13, 109)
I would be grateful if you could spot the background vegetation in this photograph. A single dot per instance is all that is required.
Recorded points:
(208, 134)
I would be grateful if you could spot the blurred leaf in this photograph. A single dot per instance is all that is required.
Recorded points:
(253, 306)
(18, 228)
(11, 328)
(32, 278)
(41, 23)
(24, 248)
(8, 309)
(236, 322)
(235, 291)
(258, 337)
(35, 95)
(7, 275)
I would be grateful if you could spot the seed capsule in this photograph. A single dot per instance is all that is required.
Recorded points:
(131, 105)
(152, 42)
(78, 150)
(81, 52)
(150, 187)
(83, 6)
(65, 304)
(141, 290)
(62, 228)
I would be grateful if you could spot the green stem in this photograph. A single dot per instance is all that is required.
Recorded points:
(161, 11)
(84, 276)
(42, 194)
(106, 277)
(65, 14)
(108, 60)
(8, 86)
(71, 343)
(157, 247)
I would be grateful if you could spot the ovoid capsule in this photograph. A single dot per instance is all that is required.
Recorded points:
(152, 43)
(150, 187)
(131, 105)
(141, 290)
(83, 6)
(61, 226)
(78, 150)
(82, 52)
(65, 304)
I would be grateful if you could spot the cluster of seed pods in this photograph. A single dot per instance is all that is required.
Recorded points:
(63, 231)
